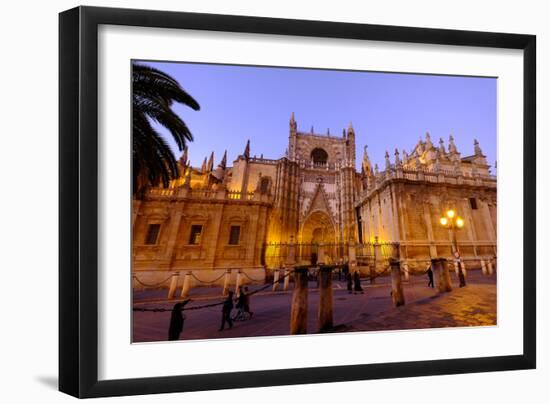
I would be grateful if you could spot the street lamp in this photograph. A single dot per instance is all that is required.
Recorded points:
(452, 222)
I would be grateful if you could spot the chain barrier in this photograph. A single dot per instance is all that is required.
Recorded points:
(152, 285)
(162, 309)
(251, 279)
(208, 282)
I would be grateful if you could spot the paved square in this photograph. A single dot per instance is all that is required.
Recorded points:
(474, 305)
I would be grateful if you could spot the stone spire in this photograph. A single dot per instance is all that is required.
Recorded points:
(223, 163)
(441, 147)
(405, 157)
(452, 147)
(246, 152)
(429, 143)
(376, 169)
(351, 131)
(184, 156)
(293, 124)
(312, 130)
(203, 167)
(187, 180)
(367, 166)
(328, 131)
(387, 160)
(397, 160)
(477, 149)
(350, 145)
(420, 146)
(210, 164)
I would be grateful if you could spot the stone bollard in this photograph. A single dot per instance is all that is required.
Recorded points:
(275, 280)
(173, 285)
(396, 287)
(286, 281)
(490, 267)
(226, 282)
(298, 311)
(186, 284)
(377, 250)
(441, 275)
(238, 283)
(483, 267)
(324, 316)
(406, 274)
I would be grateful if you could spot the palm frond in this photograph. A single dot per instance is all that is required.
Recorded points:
(153, 94)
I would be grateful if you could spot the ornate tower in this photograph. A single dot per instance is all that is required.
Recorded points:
(347, 189)
(293, 127)
(284, 223)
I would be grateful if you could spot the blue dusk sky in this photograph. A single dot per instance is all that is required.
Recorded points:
(387, 110)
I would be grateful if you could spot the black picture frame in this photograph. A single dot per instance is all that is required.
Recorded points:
(78, 200)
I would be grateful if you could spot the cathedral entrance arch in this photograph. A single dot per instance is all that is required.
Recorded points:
(318, 238)
(318, 228)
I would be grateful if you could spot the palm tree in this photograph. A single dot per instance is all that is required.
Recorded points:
(153, 93)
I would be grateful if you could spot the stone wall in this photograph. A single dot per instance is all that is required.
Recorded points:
(173, 250)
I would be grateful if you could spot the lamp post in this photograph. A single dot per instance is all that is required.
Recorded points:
(453, 222)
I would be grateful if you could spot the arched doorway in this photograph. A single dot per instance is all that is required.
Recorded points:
(318, 228)
(318, 236)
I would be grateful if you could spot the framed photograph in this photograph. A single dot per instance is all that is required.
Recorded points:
(251, 202)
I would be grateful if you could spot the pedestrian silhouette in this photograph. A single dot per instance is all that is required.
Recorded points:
(357, 283)
(176, 321)
(461, 278)
(313, 259)
(430, 277)
(349, 282)
(226, 311)
(243, 301)
(345, 269)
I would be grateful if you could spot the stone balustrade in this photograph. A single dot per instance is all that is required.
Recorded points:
(209, 194)
(431, 176)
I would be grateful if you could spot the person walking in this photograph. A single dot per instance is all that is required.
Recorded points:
(176, 321)
(461, 277)
(430, 277)
(349, 282)
(345, 269)
(357, 283)
(226, 311)
(243, 301)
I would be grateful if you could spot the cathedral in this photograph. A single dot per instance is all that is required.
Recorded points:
(257, 215)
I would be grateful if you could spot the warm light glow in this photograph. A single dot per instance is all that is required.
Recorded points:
(443, 221)
(459, 222)
(451, 213)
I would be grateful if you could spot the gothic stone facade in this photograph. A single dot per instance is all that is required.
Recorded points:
(245, 216)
